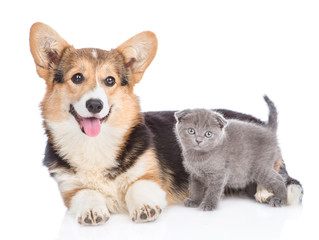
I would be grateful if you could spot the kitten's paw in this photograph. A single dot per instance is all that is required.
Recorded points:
(146, 213)
(93, 216)
(191, 203)
(276, 202)
(207, 206)
(263, 195)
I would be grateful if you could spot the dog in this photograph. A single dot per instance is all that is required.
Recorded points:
(104, 153)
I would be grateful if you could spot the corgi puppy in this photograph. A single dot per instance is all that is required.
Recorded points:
(105, 155)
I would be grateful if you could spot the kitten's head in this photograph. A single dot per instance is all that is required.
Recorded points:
(199, 129)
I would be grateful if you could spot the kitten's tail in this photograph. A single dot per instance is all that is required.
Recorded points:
(272, 118)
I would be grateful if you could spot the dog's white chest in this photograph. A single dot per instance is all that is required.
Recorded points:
(83, 152)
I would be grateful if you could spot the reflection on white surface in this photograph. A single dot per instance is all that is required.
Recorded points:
(235, 218)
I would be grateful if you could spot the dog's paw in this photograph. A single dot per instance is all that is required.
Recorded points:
(89, 208)
(204, 206)
(145, 200)
(294, 194)
(191, 203)
(146, 213)
(276, 202)
(93, 216)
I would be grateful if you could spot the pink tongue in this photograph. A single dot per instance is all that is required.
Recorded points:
(91, 126)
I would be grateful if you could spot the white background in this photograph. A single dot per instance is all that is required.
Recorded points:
(213, 54)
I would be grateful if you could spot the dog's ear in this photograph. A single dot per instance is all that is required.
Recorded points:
(47, 47)
(139, 51)
(180, 115)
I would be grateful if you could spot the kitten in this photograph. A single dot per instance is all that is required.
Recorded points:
(219, 153)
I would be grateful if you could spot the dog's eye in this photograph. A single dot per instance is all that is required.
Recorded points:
(109, 81)
(77, 78)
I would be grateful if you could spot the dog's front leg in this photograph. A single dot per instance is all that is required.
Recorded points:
(89, 207)
(145, 200)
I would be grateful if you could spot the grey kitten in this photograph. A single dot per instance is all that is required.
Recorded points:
(219, 153)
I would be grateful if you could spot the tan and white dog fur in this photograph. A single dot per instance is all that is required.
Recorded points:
(106, 156)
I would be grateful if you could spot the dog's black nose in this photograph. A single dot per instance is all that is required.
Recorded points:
(94, 105)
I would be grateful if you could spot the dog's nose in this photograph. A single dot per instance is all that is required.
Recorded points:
(94, 105)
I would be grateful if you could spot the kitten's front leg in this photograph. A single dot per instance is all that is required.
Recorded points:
(196, 189)
(215, 188)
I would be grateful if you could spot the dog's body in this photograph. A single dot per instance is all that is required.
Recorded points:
(106, 155)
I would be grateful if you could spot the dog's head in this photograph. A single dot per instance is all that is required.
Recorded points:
(90, 85)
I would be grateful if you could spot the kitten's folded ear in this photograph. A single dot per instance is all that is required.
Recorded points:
(181, 114)
(220, 119)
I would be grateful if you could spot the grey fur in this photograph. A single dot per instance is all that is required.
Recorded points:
(273, 115)
(237, 153)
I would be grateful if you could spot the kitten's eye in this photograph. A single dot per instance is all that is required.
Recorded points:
(191, 131)
(109, 81)
(77, 78)
(208, 134)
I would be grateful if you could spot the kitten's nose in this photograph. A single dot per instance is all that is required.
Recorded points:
(199, 141)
